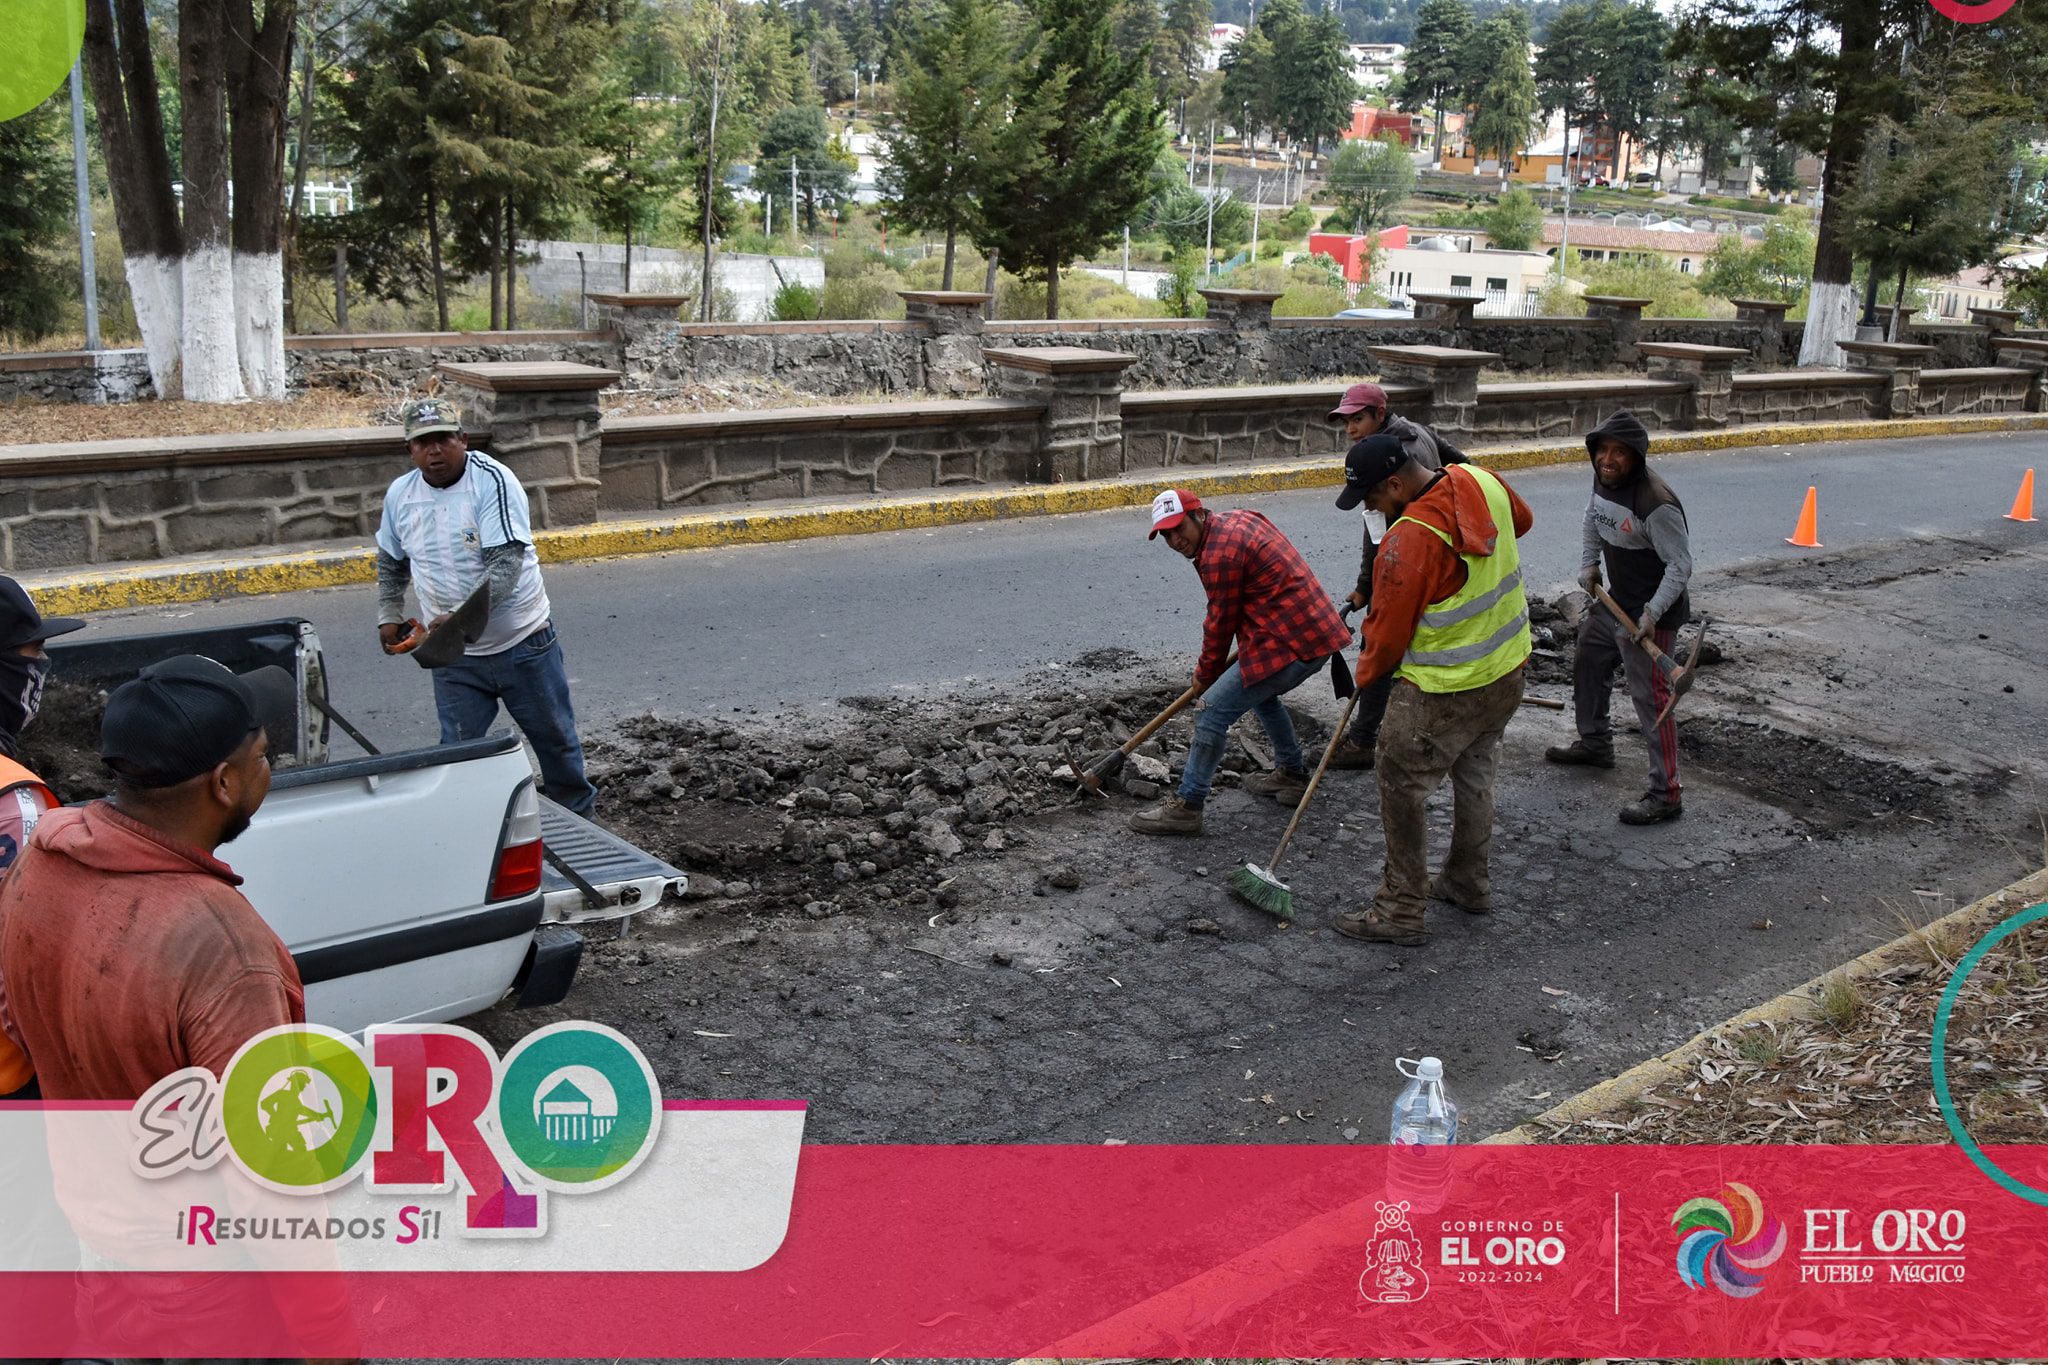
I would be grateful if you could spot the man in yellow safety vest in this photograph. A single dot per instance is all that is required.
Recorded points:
(1449, 621)
(23, 795)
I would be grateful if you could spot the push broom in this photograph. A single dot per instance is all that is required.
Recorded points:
(1261, 887)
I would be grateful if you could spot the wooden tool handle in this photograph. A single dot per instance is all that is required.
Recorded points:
(1174, 708)
(1336, 738)
(1648, 645)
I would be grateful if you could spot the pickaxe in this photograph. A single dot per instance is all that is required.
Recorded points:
(1677, 677)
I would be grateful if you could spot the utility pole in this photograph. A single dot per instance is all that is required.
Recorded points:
(1209, 232)
(792, 193)
(1127, 255)
(1258, 193)
(88, 272)
(711, 167)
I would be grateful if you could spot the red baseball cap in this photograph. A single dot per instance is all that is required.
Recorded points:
(1358, 398)
(1171, 508)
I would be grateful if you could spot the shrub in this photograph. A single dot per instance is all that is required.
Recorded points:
(796, 302)
(1515, 222)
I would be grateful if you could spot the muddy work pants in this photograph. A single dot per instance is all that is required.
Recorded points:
(1426, 736)
(1601, 647)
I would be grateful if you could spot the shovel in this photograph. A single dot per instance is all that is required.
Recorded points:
(1090, 778)
(1678, 677)
(446, 643)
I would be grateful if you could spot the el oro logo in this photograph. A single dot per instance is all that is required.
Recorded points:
(574, 1107)
(1727, 1242)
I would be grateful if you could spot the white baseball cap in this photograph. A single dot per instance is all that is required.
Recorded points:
(1171, 508)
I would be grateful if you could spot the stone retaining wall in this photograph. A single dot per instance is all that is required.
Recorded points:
(1973, 391)
(1520, 412)
(829, 359)
(1808, 396)
(1202, 428)
(77, 376)
(652, 464)
(399, 363)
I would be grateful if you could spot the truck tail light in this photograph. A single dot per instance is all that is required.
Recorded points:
(517, 871)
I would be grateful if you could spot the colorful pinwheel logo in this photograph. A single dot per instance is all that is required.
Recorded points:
(1727, 1241)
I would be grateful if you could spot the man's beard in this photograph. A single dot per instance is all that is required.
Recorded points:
(237, 826)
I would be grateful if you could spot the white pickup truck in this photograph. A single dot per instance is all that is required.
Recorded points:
(414, 886)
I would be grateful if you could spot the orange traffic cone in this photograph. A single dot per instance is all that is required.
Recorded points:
(1807, 534)
(2023, 505)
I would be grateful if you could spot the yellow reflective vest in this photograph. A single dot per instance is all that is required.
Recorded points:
(1480, 633)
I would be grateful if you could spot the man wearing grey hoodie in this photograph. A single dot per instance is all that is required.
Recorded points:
(1635, 527)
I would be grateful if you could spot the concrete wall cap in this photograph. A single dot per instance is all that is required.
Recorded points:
(2023, 345)
(1811, 379)
(2011, 313)
(1778, 306)
(1619, 300)
(1240, 295)
(1441, 357)
(530, 376)
(1687, 350)
(1894, 350)
(396, 341)
(643, 300)
(951, 298)
(1974, 373)
(1059, 359)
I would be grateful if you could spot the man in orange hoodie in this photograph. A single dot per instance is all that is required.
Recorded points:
(1450, 623)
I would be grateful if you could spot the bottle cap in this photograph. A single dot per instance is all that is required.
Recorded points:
(1430, 1069)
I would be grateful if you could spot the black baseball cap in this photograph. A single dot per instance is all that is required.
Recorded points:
(1370, 463)
(20, 622)
(187, 715)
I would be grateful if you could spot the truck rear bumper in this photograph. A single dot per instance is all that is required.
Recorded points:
(550, 967)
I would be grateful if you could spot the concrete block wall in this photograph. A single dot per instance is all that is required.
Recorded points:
(1204, 428)
(1808, 396)
(1566, 411)
(1973, 391)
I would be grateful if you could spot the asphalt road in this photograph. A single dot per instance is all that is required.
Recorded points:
(763, 627)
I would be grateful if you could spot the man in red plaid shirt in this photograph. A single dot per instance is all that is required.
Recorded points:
(1262, 596)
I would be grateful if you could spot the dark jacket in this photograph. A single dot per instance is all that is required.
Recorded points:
(1428, 448)
(1637, 529)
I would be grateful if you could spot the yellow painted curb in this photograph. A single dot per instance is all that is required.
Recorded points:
(163, 584)
(1798, 1003)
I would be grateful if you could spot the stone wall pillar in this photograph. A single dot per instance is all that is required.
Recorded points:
(1900, 362)
(1081, 435)
(1625, 317)
(1248, 313)
(1708, 370)
(1768, 317)
(1452, 312)
(1451, 375)
(541, 420)
(2025, 353)
(1996, 322)
(644, 325)
(950, 360)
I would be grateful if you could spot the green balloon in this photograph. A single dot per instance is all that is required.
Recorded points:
(45, 38)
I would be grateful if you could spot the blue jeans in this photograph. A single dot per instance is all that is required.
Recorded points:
(532, 682)
(1226, 700)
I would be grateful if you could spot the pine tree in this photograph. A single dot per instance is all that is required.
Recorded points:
(1505, 107)
(1079, 156)
(952, 99)
(35, 185)
(1631, 40)
(1185, 40)
(1565, 67)
(1435, 69)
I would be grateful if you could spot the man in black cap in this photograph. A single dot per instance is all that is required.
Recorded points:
(1450, 625)
(127, 952)
(24, 796)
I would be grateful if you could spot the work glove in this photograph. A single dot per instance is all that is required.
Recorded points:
(1589, 579)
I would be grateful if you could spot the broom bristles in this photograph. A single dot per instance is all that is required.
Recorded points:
(1262, 890)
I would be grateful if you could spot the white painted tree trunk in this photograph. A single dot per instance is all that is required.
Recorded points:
(1830, 321)
(213, 374)
(155, 286)
(259, 322)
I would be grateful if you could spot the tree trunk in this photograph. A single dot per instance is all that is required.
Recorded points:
(629, 257)
(258, 88)
(434, 255)
(1898, 332)
(511, 268)
(1052, 291)
(497, 271)
(1831, 306)
(291, 226)
(213, 372)
(988, 284)
(125, 96)
(946, 278)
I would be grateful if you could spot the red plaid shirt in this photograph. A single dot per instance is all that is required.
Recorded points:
(1262, 594)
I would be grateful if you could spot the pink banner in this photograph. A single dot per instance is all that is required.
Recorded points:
(1308, 1251)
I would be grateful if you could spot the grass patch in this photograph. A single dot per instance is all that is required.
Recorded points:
(1841, 1002)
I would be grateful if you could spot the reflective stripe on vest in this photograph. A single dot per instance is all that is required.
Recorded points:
(1480, 633)
(13, 775)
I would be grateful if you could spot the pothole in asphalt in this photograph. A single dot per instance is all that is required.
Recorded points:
(1826, 786)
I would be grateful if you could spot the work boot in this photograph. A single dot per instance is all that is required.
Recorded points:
(1442, 889)
(1171, 816)
(1370, 926)
(1580, 754)
(1349, 753)
(1283, 786)
(1651, 809)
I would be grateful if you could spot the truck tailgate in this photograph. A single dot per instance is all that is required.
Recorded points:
(627, 879)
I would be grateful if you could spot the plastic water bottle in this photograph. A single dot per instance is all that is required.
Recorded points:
(1424, 1115)
(1425, 1126)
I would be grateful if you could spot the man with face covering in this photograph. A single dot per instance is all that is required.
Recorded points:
(23, 795)
(126, 950)
(1635, 526)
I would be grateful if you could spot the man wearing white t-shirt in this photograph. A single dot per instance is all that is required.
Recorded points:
(459, 520)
